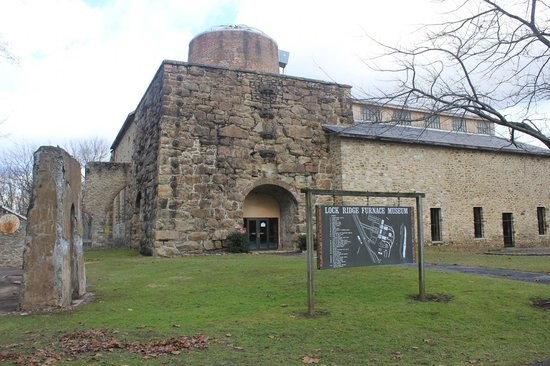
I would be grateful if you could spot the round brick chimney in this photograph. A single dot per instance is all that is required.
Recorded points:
(236, 47)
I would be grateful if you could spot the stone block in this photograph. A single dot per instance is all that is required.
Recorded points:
(234, 131)
(291, 168)
(298, 132)
(168, 251)
(189, 246)
(209, 245)
(199, 235)
(161, 235)
(220, 234)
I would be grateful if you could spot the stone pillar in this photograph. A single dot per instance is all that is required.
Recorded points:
(53, 261)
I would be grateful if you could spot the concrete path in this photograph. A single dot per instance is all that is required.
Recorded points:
(508, 274)
(520, 251)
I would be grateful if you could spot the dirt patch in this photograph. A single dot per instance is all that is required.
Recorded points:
(432, 298)
(541, 303)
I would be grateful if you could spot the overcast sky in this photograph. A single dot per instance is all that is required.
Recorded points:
(85, 64)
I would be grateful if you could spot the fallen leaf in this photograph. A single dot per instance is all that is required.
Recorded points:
(396, 355)
(310, 359)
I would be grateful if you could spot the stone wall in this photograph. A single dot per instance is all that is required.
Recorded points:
(224, 132)
(53, 261)
(12, 246)
(455, 180)
(145, 163)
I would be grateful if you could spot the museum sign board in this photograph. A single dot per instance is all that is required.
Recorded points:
(350, 236)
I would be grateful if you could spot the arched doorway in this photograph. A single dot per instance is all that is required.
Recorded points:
(73, 257)
(136, 224)
(269, 215)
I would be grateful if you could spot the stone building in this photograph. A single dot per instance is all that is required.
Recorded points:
(225, 141)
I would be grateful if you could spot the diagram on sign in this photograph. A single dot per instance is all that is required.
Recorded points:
(377, 238)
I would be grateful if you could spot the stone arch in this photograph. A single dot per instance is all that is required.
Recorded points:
(104, 182)
(261, 201)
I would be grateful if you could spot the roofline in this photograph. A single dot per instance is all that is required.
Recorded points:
(285, 76)
(542, 153)
(123, 129)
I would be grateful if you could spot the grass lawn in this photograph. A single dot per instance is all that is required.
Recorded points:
(251, 310)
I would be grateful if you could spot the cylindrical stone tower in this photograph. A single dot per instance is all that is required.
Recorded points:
(235, 47)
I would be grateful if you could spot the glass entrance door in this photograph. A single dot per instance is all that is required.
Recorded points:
(262, 233)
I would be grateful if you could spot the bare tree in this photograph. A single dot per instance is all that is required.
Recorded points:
(16, 167)
(6, 53)
(493, 62)
(88, 150)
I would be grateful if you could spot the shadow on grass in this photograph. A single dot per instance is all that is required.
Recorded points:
(316, 314)
(432, 298)
(541, 303)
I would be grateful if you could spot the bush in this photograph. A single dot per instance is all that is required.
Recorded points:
(238, 241)
(302, 242)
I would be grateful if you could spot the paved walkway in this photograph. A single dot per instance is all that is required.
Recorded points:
(521, 251)
(508, 274)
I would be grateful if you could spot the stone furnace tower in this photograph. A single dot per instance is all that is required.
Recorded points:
(220, 142)
(235, 47)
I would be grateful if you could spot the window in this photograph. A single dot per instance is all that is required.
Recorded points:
(371, 114)
(508, 229)
(478, 222)
(432, 121)
(402, 117)
(459, 124)
(435, 224)
(541, 219)
(483, 127)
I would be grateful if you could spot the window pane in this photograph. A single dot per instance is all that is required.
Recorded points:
(435, 218)
(541, 218)
(459, 124)
(370, 113)
(478, 222)
(483, 127)
(402, 117)
(432, 121)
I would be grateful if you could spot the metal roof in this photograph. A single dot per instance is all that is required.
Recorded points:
(433, 137)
